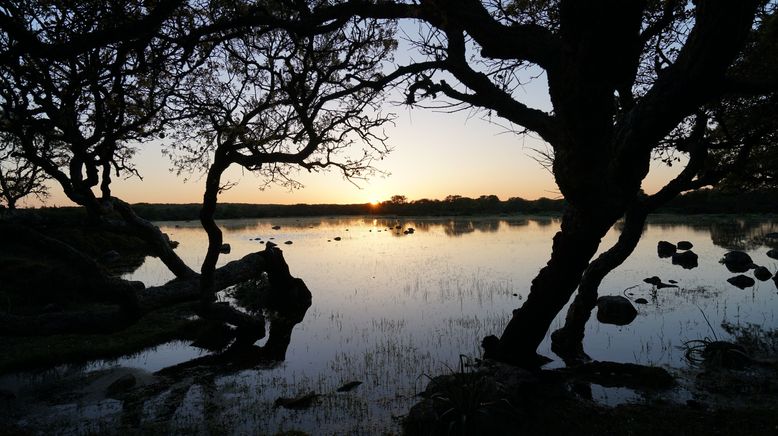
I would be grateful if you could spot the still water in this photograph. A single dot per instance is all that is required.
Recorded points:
(390, 309)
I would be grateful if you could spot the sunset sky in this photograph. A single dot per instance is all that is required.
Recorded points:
(435, 154)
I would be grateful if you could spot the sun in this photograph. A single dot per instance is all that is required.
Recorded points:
(374, 201)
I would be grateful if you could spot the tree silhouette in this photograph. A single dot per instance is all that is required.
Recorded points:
(19, 177)
(82, 84)
(627, 81)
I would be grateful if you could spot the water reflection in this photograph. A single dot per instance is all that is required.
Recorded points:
(198, 378)
(389, 308)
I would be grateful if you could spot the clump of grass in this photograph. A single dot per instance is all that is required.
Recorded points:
(467, 401)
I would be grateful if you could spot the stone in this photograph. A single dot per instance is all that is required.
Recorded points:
(121, 385)
(762, 273)
(349, 386)
(737, 261)
(288, 242)
(336, 238)
(686, 259)
(616, 310)
(110, 256)
(684, 245)
(276, 227)
(656, 281)
(665, 249)
(771, 235)
(225, 249)
(772, 253)
(641, 301)
(741, 281)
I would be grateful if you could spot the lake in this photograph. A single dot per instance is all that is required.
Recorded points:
(391, 309)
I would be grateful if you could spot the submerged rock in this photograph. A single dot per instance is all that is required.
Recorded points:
(616, 310)
(349, 386)
(301, 402)
(686, 259)
(276, 227)
(741, 281)
(656, 281)
(737, 261)
(288, 242)
(336, 238)
(684, 245)
(762, 273)
(665, 249)
(121, 385)
(641, 301)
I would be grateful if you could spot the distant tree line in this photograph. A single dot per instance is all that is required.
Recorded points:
(695, 202)
(724, 201)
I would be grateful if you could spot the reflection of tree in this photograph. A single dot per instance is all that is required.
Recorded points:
(516, 222)
(284, 310)
(742, 234)
(458, 228)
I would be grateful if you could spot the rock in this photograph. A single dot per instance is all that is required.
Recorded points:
(772, 253)
(684, 245)
(288, 242)
(641, 301)
(173, 244)
(615, 309)
(121, 385)
(686, 259)
(665, 249)
(762, 273)
(110, 256)
(225, 249)
(673, 281)
(301, 402)
(490, 344)
(741, 281)
(737, 261)
(349, 386)
(410, 230)
(398, 227)
(336, 238)
(276, 227)
(771, 235)
(656, 281)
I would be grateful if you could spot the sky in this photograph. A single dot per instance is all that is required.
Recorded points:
(435, 154)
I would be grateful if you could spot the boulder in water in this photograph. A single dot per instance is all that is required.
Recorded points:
(616, 310)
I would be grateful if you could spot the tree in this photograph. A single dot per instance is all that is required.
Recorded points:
(273, 101)
(19, 177)
(87, 82)
(626, 79)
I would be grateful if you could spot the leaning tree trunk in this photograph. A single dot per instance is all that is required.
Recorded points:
(251, 266)
(574, 245)
(567, 342)
(250, 327)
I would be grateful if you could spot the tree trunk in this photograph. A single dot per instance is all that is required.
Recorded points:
(176, 291)
(250, 327)
(574, 245)
(567, 342)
